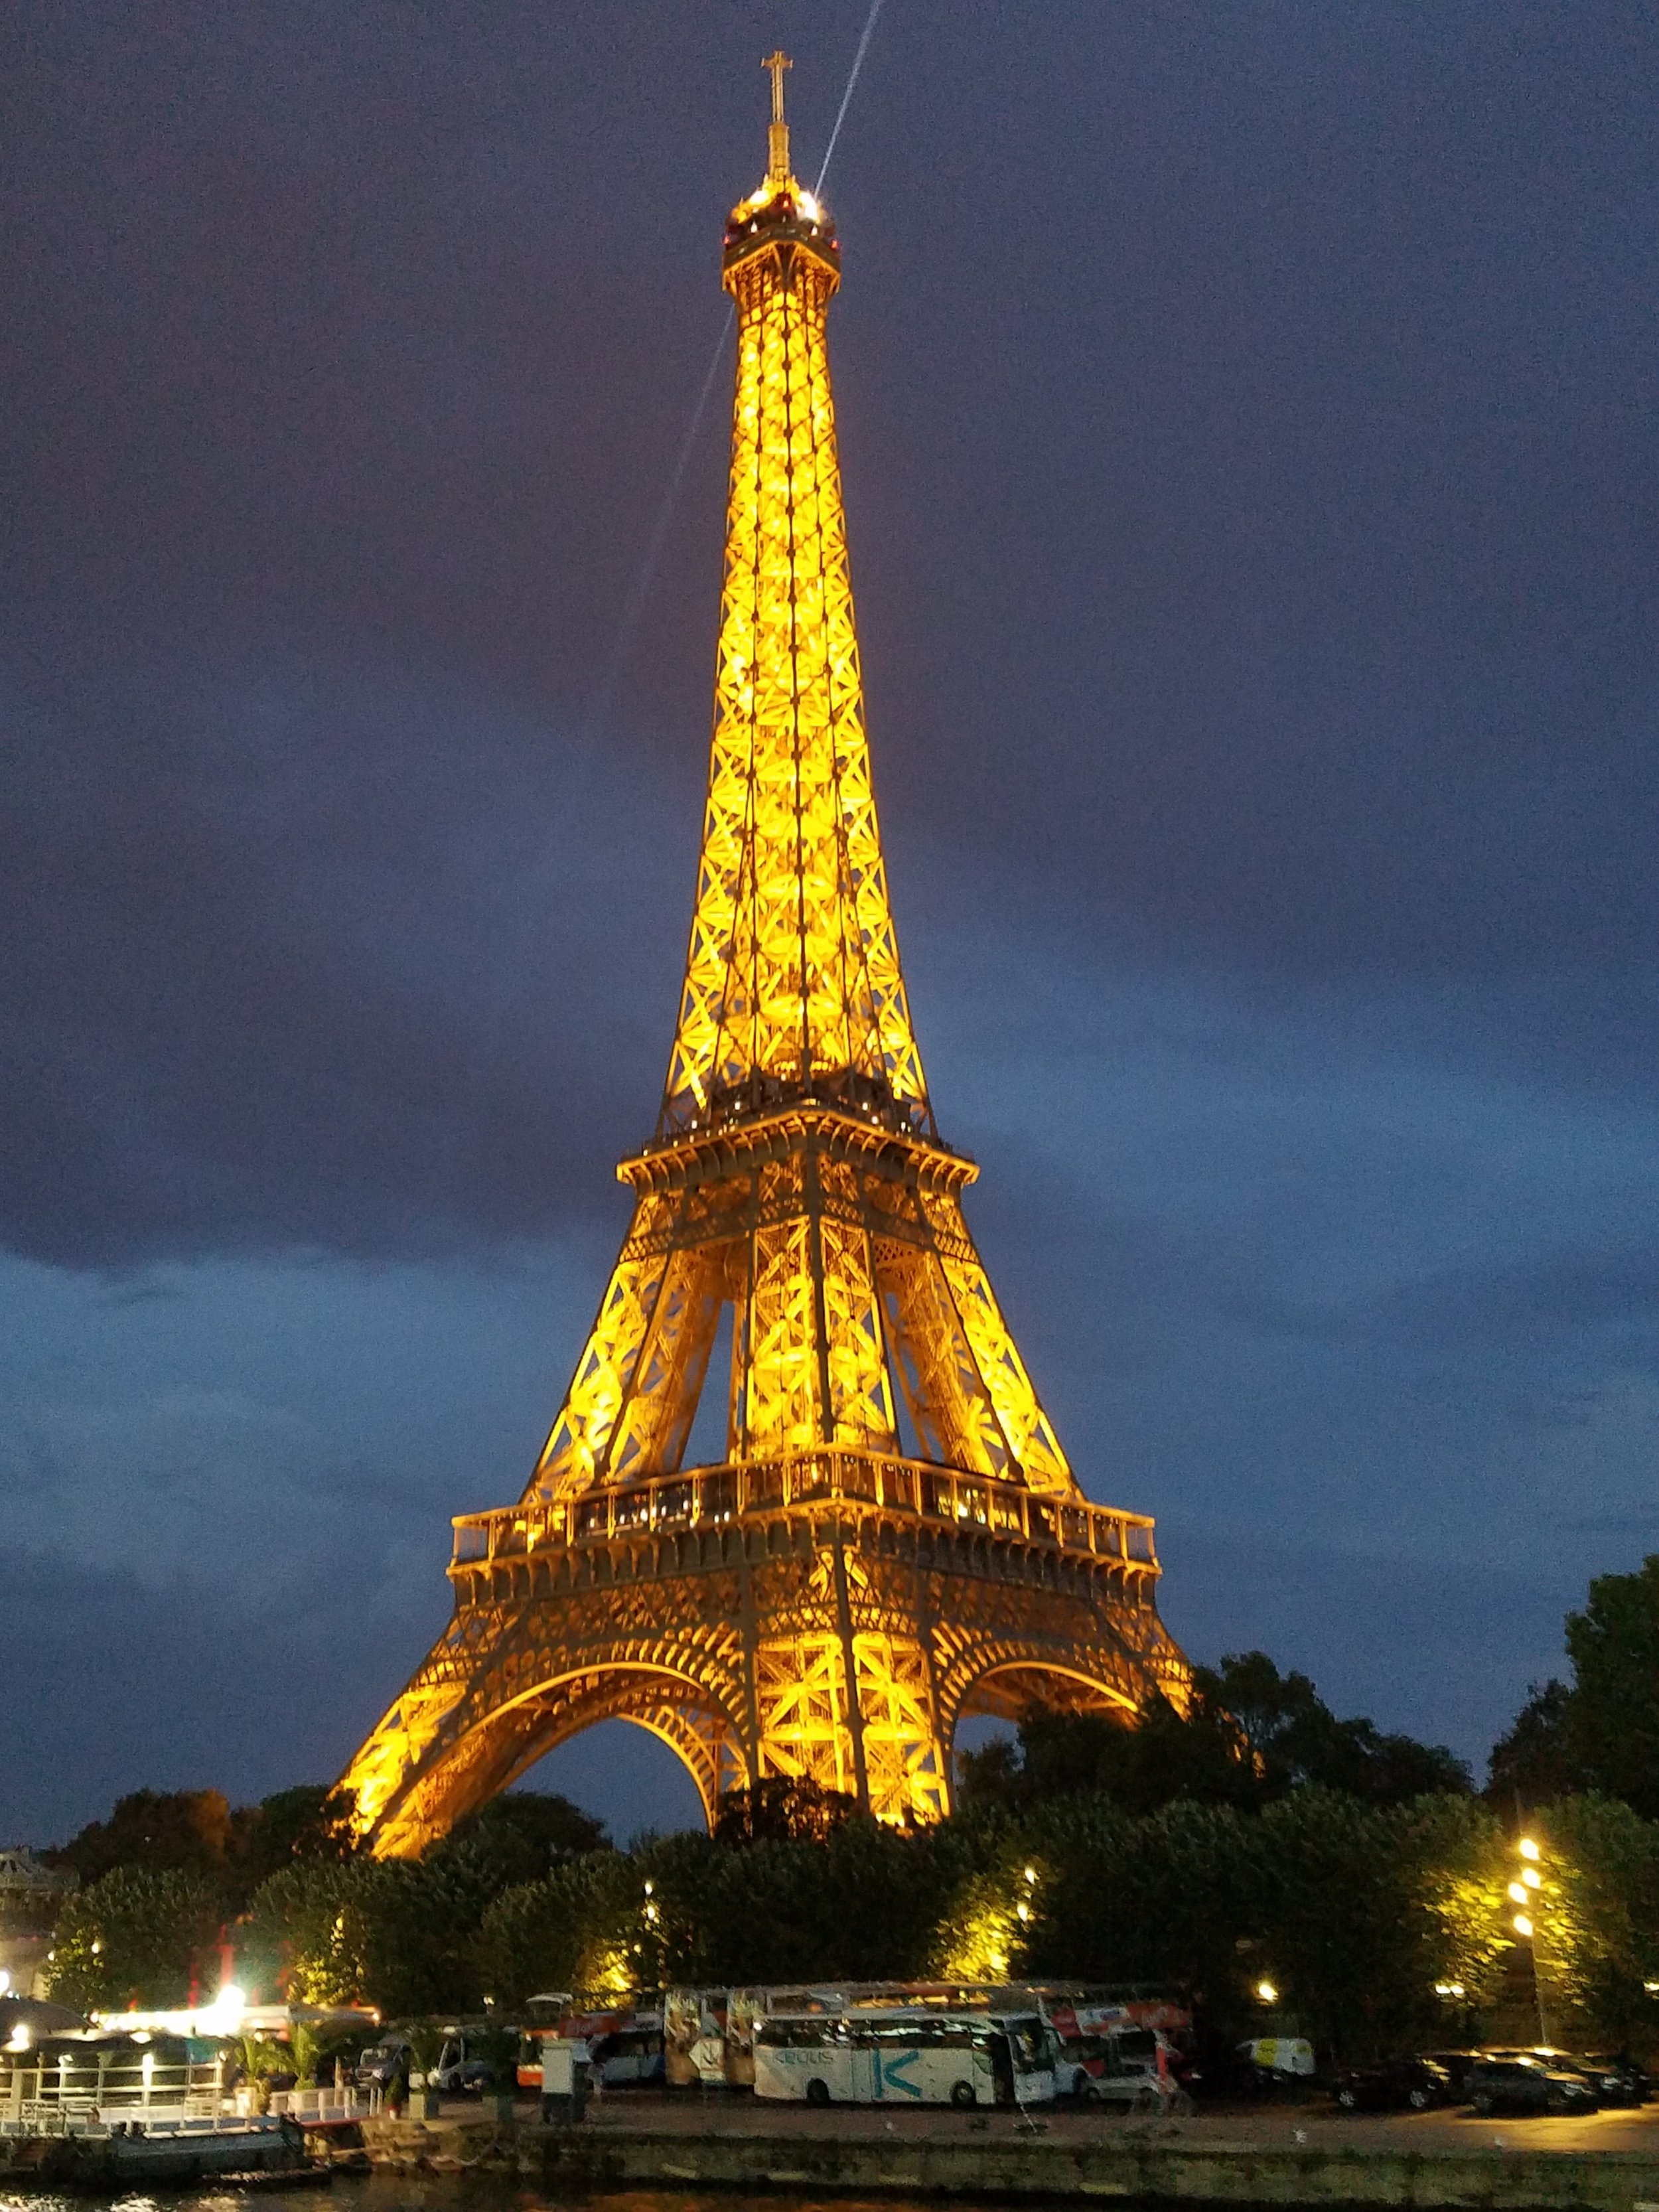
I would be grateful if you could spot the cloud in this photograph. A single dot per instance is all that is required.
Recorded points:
(305, 965)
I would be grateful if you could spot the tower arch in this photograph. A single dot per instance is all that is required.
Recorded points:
(485, 1752)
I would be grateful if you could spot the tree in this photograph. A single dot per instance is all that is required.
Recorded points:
(309, 1925)
(131, 1936)
(1140, 1765)
(311, 1821)
(1249, 1734)
(1172, 1896)
(1540, 1757)
(573, 1930)
(1597, 1917)
(1293, 1740)
(1614, 1719)
(1365, 1909)
(188, 1830)
(520, 1835)
(1459, 1866)
(398, 1934)
(782, 1808)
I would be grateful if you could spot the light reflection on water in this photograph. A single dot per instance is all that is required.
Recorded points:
(421, 2193)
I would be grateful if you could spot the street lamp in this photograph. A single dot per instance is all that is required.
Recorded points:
(1267, 1992)
(1522, 1892)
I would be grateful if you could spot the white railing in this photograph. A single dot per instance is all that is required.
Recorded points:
(319, 2108)
(34, 2120)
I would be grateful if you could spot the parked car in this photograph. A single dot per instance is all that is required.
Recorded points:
(1396, 2085)
(1131, 2068)
(381, 2061)
(1618, 2077)
(1523, 2084)
(1615, 2077)
(458, 2069)
(1458, 2064)
(1609, 2082)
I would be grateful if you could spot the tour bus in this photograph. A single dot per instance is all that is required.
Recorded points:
(908, 2054)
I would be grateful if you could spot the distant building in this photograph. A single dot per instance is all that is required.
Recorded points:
(31, 1896)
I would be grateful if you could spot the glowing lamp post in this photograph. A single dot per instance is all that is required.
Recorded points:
(1523, 1894)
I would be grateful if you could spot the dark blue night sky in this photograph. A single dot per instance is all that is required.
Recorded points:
(1248, 420)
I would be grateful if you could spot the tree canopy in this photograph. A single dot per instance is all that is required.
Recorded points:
(1600, 1733)
(1250, 1736)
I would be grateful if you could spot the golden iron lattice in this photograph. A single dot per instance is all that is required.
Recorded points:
(893, 1538)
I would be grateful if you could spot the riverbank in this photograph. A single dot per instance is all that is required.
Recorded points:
(1607, 2162)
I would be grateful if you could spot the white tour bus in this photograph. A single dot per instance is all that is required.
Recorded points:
(908, 2054)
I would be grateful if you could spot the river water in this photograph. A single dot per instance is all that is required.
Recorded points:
(418, 2192)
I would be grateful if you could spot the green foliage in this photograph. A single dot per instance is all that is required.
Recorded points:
(1614, 1644)
(520, 1835)
(187, 1831)
(1250, 1735)
(1353, 1911)
(398, 1934)
(305, 2048)
(1540, 1757)
(498, 2047)
(310, 1925)
(194, 1832)
(260, 2056)
(1459, 1864)
(863, 1903)
(782, 1808)
(311, 1822)
(1597, 1918)
(574, 1930)
(131, 1935)
(1600, 1735)
(425, 2039)
(1167, 1898)
(1367, 1908)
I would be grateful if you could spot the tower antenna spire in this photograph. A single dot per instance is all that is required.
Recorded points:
(777, 138)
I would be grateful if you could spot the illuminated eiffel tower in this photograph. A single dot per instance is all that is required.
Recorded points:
(893, 1538)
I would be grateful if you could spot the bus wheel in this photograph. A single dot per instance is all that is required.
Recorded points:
(963, 2093)
(817, 2091)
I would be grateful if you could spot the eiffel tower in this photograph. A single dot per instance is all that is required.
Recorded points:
(894, 1539)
